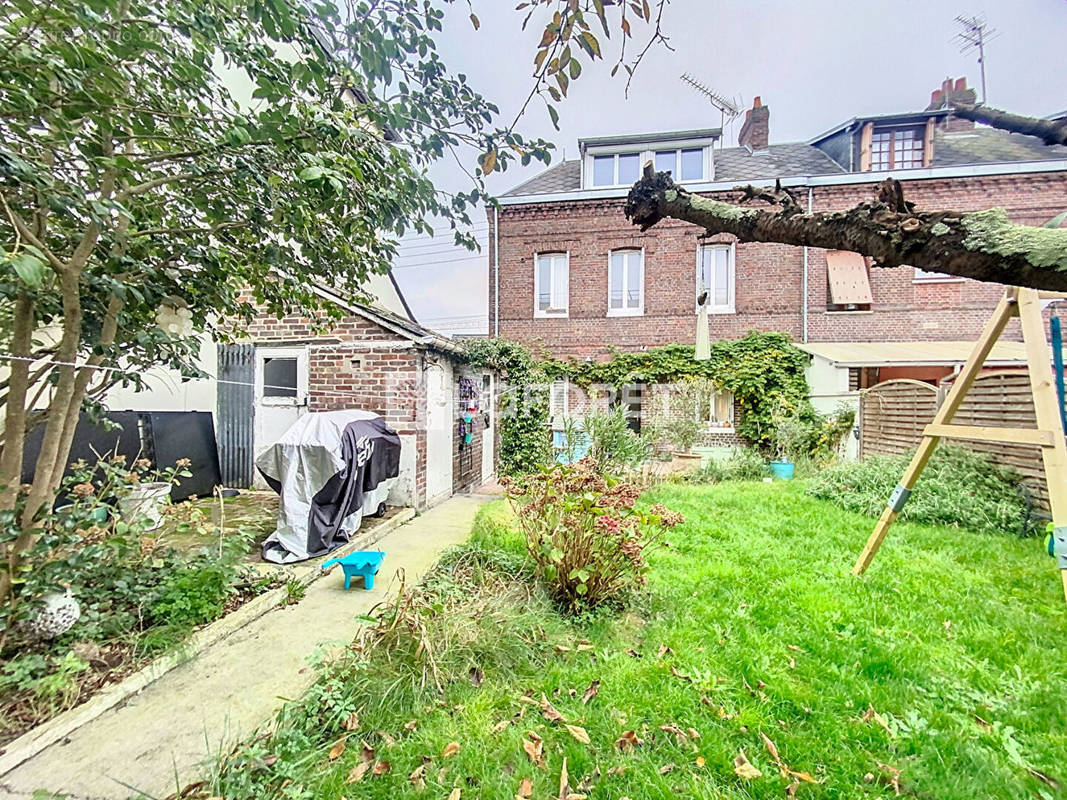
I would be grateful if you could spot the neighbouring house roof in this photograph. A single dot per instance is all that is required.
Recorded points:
(911, 354)
(777, 161)
(902, 118)
(990, 146)
(646, 138)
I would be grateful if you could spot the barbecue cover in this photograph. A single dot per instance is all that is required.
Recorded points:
(327, 468)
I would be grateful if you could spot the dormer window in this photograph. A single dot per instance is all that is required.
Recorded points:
(684, 164)
(617, 169)
(896, 148)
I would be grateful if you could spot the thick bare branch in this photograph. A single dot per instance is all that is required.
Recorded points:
(1048, 130)
(983, 245)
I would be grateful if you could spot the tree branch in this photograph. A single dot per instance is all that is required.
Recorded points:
(1049, 131)
(983, 245)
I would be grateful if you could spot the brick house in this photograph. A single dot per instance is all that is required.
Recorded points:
(569, 273)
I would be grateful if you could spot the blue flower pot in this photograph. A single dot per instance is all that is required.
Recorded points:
(782, 470)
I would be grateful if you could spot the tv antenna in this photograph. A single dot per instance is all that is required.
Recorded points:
(729, 109)
(975, 34)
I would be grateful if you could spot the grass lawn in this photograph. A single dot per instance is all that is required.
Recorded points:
(752, 627)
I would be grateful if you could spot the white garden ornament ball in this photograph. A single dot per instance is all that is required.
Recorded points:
(175, 320)
(58, 614)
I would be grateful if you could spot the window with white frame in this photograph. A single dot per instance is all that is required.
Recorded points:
(684, 164)
(924, 276)
(718, 413)
(557, 403)
(551, 285)
(715, 275)
(616, 169)
(626, 283)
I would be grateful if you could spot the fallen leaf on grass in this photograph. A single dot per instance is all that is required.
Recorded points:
(450, 750)
(871, 714)
(617, 771)
(744, 768)
(366, 752)
(352, 722)
(357, 773)
(381, 768)
(525, 789)
(692, 733)
(628, 741)
(1041, 776)
(665, 769)
(663, 650)
(455, 794)
(985, 726)
(269, 761)
(793, 647)
(418, 777)
(771, 748)
(386, 738)
(410, 726)
(564, 781)
(681, 675)
(893, 776)
(337, 750)
(562, 648)
(578, 733)
(534, 748)
(500, 726)
(591, 692)
(633, 653)
(548, 711)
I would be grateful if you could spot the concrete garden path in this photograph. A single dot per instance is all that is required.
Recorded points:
(160, 739)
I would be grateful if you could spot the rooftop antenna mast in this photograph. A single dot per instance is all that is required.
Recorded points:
(975, 34)
(728, 108)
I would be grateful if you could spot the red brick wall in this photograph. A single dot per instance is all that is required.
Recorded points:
(768, 276)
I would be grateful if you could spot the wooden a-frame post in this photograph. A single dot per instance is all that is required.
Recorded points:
(1049, 434)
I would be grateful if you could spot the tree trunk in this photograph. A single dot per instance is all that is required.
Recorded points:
(15, 412)
(983, 245)
(1049, 131)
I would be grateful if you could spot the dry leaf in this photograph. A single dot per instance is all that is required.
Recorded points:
(802, 776)
(633, 653)
(564, 780)
(500, 726)
(578, 733)
(1041, 776)
(357, 773)
(337, 750)
(366, 752)
(985, 726)
(387, 739)
(692, 733)
(665, 769)
(548, 711)
(792, 663)
(744, 768)
(871, 714)
(677, 674)
(591, 692)
(269, 761)
(534, 748)
(562, 648)
(575, 796)
(410, 726)
(771, 748)
(894, 776)
(583, 647)
(663, 650)
(381, 768)
(617, 771)
(628, 741)
(352, 722)
(455, 794)
(476, 676)
(450, 750)
(793, 647)
(525, 789)
(418, 777)
(679, 734)
(791, 790)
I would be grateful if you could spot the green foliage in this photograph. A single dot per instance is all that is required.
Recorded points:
(525, 441)
(585, 534)
(762, 370)
(958, 487)
(192, 597)
(678, 421)
(613, 446)
(744, 464)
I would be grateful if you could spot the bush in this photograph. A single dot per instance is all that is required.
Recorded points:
(612, 444)
(744, 464)
(958, 487)
(584, 533)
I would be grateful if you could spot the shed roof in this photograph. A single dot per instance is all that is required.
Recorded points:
(911, 354)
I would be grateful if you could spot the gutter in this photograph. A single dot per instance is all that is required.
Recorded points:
(838, 179)
(804, 284)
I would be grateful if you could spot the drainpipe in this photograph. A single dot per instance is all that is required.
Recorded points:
(804, 285)
(496, 271)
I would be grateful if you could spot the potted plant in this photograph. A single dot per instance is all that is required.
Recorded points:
(684, 426)
(791, 436)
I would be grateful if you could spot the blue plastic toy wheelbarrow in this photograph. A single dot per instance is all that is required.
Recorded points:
(362, 562)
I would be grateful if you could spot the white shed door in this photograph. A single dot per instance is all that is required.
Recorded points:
(281, 394)
(439, 422)
(488, 432)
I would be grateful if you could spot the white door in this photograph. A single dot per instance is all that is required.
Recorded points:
(488, 433)
(281, 394)
(439, 422)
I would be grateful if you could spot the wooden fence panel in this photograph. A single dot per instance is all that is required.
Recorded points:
(893, 415)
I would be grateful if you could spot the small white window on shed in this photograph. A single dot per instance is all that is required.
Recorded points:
(719, 412)
(551, 285)
(848, 285)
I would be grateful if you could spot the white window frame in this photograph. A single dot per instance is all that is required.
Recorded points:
(556, 421)
(925, 276)
(712, 426)
(301, 356)
(676, 171)
(624, 311)
(615, 167)
(731, 306)
(551, 312)
(647, 152)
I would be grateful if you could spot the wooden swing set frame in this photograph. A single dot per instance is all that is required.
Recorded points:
(1049, 434)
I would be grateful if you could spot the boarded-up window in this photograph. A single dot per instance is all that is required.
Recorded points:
(848, 286)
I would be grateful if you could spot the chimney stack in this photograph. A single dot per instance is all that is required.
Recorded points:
(755, 132)
(953, 91)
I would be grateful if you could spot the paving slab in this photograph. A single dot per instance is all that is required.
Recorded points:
(164, 737)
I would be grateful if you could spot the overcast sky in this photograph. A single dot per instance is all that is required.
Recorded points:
(815, 63)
